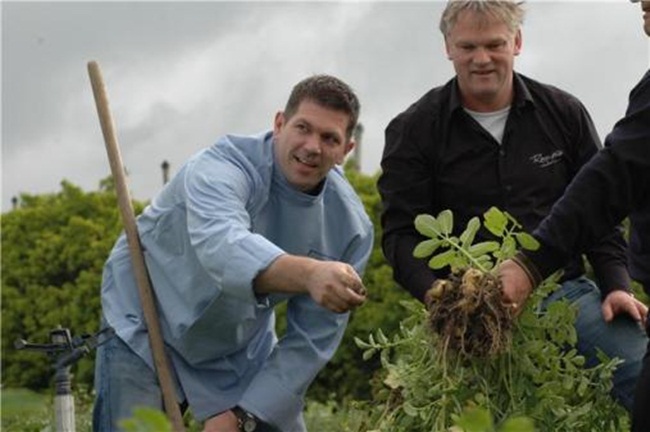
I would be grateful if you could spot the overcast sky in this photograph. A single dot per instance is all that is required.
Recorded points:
(180, 74)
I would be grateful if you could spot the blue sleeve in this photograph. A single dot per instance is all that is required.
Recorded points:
(220, 188)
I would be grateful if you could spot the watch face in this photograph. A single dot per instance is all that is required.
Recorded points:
(249, 425)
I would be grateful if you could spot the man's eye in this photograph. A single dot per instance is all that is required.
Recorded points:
(330, 140)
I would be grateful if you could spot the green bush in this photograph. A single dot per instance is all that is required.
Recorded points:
(54, 247)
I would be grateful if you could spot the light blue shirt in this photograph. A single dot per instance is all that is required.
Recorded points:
(226, 216)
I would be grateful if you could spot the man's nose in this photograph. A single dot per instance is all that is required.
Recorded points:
(481, 56)
(313, 144)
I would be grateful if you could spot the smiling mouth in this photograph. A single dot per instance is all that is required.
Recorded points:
(305, 162)
(483, 72)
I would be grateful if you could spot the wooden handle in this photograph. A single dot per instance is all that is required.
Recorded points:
(139, 266)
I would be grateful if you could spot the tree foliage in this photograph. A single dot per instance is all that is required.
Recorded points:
(54, 247)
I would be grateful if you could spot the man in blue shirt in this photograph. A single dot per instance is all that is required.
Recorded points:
(245, 224)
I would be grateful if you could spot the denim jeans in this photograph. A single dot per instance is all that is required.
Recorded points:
(123, 381)
(622, 337)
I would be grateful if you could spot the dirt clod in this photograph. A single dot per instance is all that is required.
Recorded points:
(468, 313)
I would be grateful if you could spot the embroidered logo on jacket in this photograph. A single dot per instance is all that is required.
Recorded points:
(544, 161)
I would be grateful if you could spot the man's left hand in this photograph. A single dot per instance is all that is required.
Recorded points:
(618, 302)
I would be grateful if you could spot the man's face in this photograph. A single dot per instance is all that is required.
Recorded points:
(483, 51)
(310, 143)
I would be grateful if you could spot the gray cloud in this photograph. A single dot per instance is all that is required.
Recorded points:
(180, 74)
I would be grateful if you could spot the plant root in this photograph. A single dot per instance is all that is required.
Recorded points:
(468, 314)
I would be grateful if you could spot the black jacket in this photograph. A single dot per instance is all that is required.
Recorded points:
(438, 157)
(613, 185)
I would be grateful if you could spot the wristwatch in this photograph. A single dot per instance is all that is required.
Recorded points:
(246, 421)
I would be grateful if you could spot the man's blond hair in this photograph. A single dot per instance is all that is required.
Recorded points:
(511, 12)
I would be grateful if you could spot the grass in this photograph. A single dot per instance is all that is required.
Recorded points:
(24, 410)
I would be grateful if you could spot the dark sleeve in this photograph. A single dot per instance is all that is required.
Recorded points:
(609, 187)
(607, 255)
(406, 189)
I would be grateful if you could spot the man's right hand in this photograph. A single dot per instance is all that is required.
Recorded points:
(515, 284)
(334, 285)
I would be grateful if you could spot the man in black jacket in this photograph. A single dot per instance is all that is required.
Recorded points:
(493, 137)
(613, 185)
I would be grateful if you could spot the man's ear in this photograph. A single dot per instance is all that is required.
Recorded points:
(348, 148)
(518, 42)
(447, 49)
(278, 122)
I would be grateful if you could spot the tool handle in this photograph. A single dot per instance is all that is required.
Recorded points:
(139, 267)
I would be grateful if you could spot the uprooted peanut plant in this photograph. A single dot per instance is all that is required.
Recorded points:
(465, 363)
(466, 309)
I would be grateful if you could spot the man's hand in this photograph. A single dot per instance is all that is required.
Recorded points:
(332, 284)
(335, 286)
(618, 302)
(224, 422)
(515, 283)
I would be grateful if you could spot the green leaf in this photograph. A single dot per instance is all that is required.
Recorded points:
(360, 343)
(458, 262)
(367, 354)
(475, 420)
(381, 337)
(485, 261)
(426, 248)
(467, 237)
(146, 420)
(409, 409)
(495, 221)
(508, 248)
(527, 241)
(482, 248)
(518, 424)
(442, 260)
(427, 225)
(446, 220)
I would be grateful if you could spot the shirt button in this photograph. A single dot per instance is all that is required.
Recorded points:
(502, 152)
(508, 188)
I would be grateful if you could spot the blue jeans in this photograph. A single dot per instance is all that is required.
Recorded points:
(123, 381)
(622, 338)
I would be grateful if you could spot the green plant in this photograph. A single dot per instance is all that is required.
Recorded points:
(538, 375)
(462, 252)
